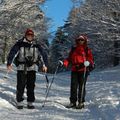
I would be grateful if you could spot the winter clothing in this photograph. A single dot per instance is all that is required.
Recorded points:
(20, 105)
(81, 60)
(28, 81)
(77, 57)
(30, 105)
(77, 79)
(29, 32)
(80, 106)
(29, 53)
(26, 54)
(71, 105)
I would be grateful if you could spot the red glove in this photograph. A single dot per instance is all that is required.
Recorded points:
(65, 63)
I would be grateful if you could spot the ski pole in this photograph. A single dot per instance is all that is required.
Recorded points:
(84, 79)
(50, 85)
(6, 75)
(83, 85)
(47, 82)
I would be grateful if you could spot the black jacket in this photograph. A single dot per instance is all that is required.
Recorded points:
(20, 43)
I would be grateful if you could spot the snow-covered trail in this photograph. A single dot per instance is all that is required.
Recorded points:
(102, 99)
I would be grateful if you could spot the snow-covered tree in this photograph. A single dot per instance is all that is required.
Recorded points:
(99, 20)
(16, 17)
(58, 48)
(103, 17)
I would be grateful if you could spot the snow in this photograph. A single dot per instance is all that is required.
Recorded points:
(102, 98)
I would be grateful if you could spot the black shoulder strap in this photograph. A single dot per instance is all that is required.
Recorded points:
(20, 40)
(33, 53)
(24, 53)
(73, 48)
(86, 51)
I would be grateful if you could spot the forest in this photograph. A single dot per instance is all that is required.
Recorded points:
(99, 20)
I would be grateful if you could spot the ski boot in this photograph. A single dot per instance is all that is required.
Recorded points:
(30, 105)
(80, 106)
(71, 105)
(19, 105)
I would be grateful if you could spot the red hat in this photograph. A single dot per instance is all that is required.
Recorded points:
(83, 37)
(29, 32)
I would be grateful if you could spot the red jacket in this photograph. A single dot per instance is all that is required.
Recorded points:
(77, 56)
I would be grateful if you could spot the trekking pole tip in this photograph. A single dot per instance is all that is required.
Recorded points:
(43, 106)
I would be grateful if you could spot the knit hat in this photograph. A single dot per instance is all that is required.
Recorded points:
(83, 37)
(29, 32)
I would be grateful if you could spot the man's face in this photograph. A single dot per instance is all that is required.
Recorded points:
(30, 37)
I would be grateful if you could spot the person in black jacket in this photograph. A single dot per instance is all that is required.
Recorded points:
(27, 54)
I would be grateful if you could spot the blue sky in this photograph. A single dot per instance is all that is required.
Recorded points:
(58, 10)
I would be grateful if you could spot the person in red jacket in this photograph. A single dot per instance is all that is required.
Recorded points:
(81, 59)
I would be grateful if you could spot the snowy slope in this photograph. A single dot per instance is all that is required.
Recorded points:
(102, 99)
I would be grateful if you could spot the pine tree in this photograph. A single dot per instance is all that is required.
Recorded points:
(99, 20)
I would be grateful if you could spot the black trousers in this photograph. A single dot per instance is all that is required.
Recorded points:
(25, 81)
(78, 87)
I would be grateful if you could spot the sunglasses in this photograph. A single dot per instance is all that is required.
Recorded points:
(80, 40)
(30, 35)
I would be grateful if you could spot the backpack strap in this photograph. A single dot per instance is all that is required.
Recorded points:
(86, 52)
(25, 65)
(72, 49)
(32, 59)
(25, 55)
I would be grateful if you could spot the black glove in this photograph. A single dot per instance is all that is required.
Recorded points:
(91, 67)
(79, 66)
